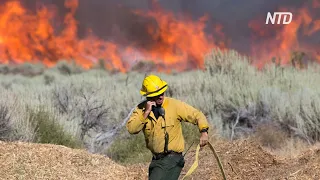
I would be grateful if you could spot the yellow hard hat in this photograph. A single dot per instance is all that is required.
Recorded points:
(152, 86)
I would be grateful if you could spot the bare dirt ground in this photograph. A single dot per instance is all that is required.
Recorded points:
(246, 159)
(243, 159)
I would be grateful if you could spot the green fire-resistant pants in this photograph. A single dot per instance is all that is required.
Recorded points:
(167, 168)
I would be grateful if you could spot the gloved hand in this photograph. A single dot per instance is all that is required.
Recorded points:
(203, 139)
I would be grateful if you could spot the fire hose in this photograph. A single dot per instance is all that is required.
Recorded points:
(196, 162)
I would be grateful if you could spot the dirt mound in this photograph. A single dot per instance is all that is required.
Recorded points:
(246, 159)
(45, 161)
(243, 159)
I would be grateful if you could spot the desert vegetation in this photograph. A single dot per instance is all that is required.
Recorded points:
(82, 108)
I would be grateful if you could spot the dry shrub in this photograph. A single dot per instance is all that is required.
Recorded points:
(85, 107)
(297, 59)
(94, 114)
(243, 121)
(4, 69)
(222, 61)
(271, 136)
(25, 69)
(5, 126)
(101, 65)
(67, 68)
(48, 79)
(144, 66)
(292, 147)
(63, 98)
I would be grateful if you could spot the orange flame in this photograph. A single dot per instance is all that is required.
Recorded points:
(285, 39)
(25, 36)
(177, 40)
(177, 43)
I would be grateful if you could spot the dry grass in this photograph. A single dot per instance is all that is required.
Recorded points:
(235, 97)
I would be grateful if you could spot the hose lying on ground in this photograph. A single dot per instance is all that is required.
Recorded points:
(196, 162)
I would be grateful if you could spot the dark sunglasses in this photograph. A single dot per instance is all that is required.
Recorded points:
(160, 95)
(155, 97)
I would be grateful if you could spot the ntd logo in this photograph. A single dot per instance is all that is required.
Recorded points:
(281, 15)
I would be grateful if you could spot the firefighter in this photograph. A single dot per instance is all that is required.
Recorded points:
(160, 118)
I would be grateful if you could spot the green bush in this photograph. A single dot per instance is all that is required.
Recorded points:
(49, 131)
(129, 149)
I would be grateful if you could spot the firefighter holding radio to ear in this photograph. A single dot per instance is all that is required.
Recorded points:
(160, 118)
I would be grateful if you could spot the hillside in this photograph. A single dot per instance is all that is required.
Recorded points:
(241, 159)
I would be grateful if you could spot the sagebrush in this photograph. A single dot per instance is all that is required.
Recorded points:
(236, 97)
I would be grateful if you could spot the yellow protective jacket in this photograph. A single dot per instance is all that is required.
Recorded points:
(154, 131)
